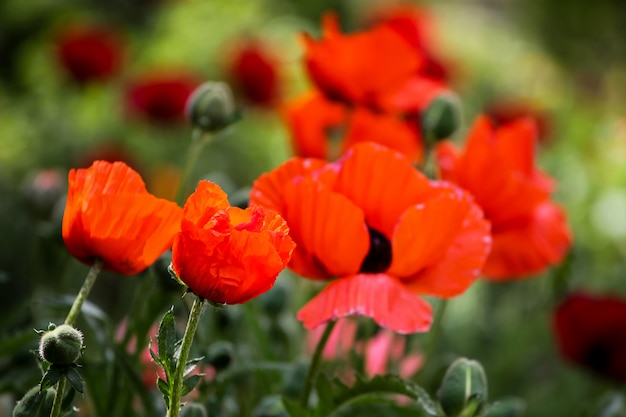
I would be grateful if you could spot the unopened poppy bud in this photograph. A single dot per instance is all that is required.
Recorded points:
(463, 391)
(62, 345)
(220, 355)
(211, 107)
(441, 118)
(193, 410)
(35, 403)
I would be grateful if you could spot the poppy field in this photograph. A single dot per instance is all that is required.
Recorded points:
(283, 208)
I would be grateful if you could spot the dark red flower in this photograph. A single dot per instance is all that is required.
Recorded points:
(160, 97)
(225, 254)
(591, 332)
(89, 53)
(324, 129)
(530, 232)
(110, 216)
(254, 72)
(385, 230)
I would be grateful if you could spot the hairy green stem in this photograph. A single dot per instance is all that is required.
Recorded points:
(435, 329)
(84, 292)
(315, 363)
(58, 398)
(177, 384)
(198, 140)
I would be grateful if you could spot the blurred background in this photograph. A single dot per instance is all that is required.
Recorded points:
(89, 79)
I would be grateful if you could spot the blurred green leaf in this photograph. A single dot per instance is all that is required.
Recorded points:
(167, 341)
(190, 383)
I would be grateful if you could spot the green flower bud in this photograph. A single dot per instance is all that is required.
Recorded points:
(441, 119)
(35, 403)
(220, 355)
(62, 345)
(211, 107)
(193, 410)
(463, 390)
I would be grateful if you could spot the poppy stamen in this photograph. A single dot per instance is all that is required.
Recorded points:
(378, 258)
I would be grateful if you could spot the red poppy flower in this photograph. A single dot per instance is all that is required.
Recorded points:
(348, 67)
(226, 254)
(383, 228)
(324, 129)
(254, 73)
(417, 27)
(160, 97)
(530, 232)
(591, 332)
(89, 53)
(109, 215)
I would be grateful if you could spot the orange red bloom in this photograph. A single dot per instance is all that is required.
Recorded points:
(225, 254)
(590, 331)
(380, 227)
(530, 232)
(109, 215)
(359, 100)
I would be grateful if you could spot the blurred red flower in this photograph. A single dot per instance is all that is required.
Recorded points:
(504, 112)
(324, 129)
(359, 100)
(591, 332)
(417, 27)
(530, 232)
(89, 53)
(160, 97)
(382, 228)
(254, 72)
(109, 215)
(347, 68)
(225, 254)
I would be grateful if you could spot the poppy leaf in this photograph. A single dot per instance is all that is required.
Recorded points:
(191, 365)
(75, 380)
(166, 340)
(294, 409)
(189, 383)
(164, 387)
(51, 377)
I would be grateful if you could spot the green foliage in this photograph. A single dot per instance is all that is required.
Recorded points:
(35, 403)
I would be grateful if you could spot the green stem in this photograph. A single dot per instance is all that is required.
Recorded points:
(58, 398)
(315, 362)
(435, 329)
(84, 292)
(177, 384)
(198, 140)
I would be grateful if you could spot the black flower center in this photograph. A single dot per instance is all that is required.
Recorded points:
(378, 258)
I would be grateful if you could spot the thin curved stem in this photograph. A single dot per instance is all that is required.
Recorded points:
(177, 384)
(84, 292)
(198, 140)
(435, 329)
(58, 398)
(315, 363)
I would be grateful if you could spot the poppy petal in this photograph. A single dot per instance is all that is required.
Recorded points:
(378, 296)
(461, 264)
(267, 190)
(385, 129)
(316, 215)
(425, 231)
(530, 249)
(129, 232)
(310, 118)
(364, 178)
